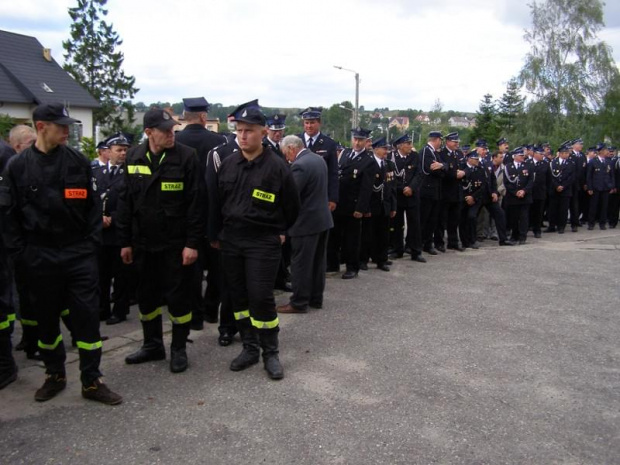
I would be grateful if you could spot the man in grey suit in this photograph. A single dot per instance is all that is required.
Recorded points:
(309, 233)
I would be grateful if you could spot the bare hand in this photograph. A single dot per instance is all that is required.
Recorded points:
(127, 255)
(590, 192)
(460, 174)
(189, 256)
(332, 206)
(559, 188)
(215, 244)
(407, 192)
(470, 200)
(436, 166)
(357, 215)
(392, 214)
(107, 221)
(282, 238)
(521, 194)
(494, 197)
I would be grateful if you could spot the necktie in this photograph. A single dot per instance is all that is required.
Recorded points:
(113, 171)
(382, 165)
(310, 144)
(277, 147)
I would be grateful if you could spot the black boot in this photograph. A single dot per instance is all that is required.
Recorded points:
(251, 347)
(269, 343)
(178, 353)
(153, 347)
(8, 369)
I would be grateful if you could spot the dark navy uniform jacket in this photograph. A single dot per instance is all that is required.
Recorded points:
(581, 164)
(49, 200)
(407, 174)
(327, 148)
(562, 175)
(600, 175)
(516, 179)
(274, 149)
(214, 161)
(383, 198)
(108, 190)
(542, 179)
(356, 181)
(159, 206)
(451, 190)
(431, 180)
(479, 182)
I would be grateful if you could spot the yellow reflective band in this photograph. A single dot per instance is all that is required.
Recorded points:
(151, 316)
(11, 317)
(29, 322)
(5, 324)
(138, 169)
(50, 346)
(89, 346)
(181, 320)
(242, 315)
(265, 324)
(262, 195)
(171, 186)
(65, 312)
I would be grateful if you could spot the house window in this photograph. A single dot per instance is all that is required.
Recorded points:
(75, 136)
(47, 88)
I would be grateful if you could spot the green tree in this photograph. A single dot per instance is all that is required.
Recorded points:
(486, 121)
(92, 58)
(510, 108)
(6, 123)
(567, 68)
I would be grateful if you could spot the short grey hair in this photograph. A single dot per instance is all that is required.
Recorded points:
(291, 141)
(20, 133)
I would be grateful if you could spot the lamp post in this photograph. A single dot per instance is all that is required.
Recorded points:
(357, 92)
(352, 118)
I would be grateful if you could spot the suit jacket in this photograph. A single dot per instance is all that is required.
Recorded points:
(600, 175)
(516, 179)
(451, 190)
(542, 179)
(383, 198)
(479, 182)
(561, 175)
(407, 174)
(108, 190)
(310, 174)
(355, 183)
(581, 168)
(431, 180)
(326, 147)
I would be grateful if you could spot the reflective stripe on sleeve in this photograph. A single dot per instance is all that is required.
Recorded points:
(5, 324)
(65, 312)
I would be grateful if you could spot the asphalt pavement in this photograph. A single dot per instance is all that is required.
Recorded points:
(500, 355)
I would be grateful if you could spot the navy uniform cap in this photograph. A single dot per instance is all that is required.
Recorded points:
(276, 122)
(117, 139)
(435, 134)
(473, 154)
(249, 112)
(481, 143)
(567, 143)
(546, 144)
(453, 136)
(360, 133)
(565, 147)
(102, 145)
(592, 149)
(518, 151)
(529, 147)
(612, 148)
(401, 140)
(311, 113)
(466, 147)
(381, 142)
(579, 140)
(601, 146)
(538, 149)
(196, 105)
(502, 141)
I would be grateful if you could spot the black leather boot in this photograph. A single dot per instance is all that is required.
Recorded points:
(269, 344)
(178, 352)
(251, 347)
(8, 368)
(153, 346)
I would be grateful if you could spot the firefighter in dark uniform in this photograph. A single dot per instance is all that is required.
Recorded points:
(580, 196)
(601, 182)
(480, 190)
(562, 171)
(110, 182)
(614, 198)
(197, 136)
(433, 170)
(275, 133)
(160, 226)
(376, 223)
(542, 182)
(407, 169)
(257, 201)
(324, 146)
(53, 227)
(519, 182)
(8, 368)
(354, 200)
(451, 196)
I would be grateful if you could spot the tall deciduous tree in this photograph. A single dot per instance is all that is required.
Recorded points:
(567, 68)
(510, 108)
(92, 58)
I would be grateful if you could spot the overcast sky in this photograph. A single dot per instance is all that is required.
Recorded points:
(408, 52)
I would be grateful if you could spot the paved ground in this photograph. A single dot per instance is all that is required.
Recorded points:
(501, 355)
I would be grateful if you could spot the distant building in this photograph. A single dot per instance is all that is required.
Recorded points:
(29, 76)
(422, 118)
(460, 122)
(400, 122)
